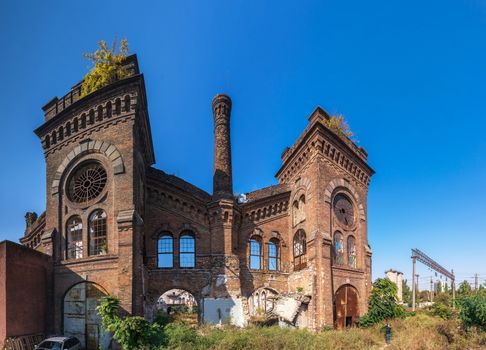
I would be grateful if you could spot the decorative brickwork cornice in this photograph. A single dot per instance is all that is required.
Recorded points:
(318, 139)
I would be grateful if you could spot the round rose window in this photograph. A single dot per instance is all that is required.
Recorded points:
(86, 183)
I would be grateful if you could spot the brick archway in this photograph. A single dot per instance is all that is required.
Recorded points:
(103, 147)
(343, 183)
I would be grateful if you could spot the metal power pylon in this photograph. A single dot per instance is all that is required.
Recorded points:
(424, 259)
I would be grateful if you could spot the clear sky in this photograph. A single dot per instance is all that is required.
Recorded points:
(409, 76)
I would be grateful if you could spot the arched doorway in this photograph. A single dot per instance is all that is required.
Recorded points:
(346, 306)
(80, 318)
(180, 305)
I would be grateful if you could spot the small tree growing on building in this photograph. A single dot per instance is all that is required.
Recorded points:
(108, 67)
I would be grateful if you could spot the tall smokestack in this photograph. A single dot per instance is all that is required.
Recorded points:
(222, 177)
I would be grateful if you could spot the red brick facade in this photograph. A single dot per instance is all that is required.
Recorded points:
(111, 128)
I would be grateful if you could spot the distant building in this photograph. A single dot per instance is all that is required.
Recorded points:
(397, 278)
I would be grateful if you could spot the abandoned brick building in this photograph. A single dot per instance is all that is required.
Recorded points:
(116, 225)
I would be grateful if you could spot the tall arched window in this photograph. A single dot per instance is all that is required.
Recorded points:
(83, 121)
(97, 233)
(117, 106)
(338, 248)
(99, 116)
(74, 238)
(127, 103)
(91, 117)
(108, 109)
(187, 248)
(47, 142)
(75, 125)
(301, 208)
(273, 255)
(255, 253)
(68, 129)
(300, 260)
(165, 251)
(351, 247)
(295, 213)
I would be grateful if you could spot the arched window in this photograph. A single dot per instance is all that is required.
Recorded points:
(54, 137)
(97, 233)
(61, 133)
(338, 248)
(91, 117)
(301, 208)
(108, 109)
(187, 248)
(99, 117)
(255, 254)
(83, 121)
(273, 255)
(74, 238)
(127, 103)
(117, 106)
(68, 129)
(75, 125)
(300, 260)
(295, 213)
(165, 251)
(47, 142)
(351, 247)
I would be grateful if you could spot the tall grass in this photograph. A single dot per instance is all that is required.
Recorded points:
(422, 332)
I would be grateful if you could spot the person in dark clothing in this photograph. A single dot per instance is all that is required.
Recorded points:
(388, 333)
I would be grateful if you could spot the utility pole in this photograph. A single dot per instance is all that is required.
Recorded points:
(413, 283)
(431, 290)
(453, 292)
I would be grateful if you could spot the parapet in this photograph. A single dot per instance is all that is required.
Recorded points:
(57, 105)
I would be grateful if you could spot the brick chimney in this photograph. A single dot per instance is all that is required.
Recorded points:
(222, 177)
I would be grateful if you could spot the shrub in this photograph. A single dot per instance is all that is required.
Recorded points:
(473, 312)
(107, 68)
(382, 304)
(441, 310)
(338, 125)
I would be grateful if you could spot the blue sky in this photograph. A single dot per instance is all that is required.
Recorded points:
(410, 77)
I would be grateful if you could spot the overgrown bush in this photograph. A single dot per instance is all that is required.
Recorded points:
(382, 304)
(132, 333)
(473, 312)
(338, 125)
(441, 310)
(108, 67)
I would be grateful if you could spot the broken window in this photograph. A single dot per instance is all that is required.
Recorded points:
(165, 251)
(97, 233)
(351, 251)
(255, 254)
(187, 250)
(300, 260)
(338, 249)
(74, 231)
(273, 255)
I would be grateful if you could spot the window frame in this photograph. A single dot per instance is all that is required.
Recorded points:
(94, 245)
(348, 252)
(276, 243)
(300, 255)
(342, 255)
(70, 227)
(259, 256)
(160, 239)
(190, 234)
